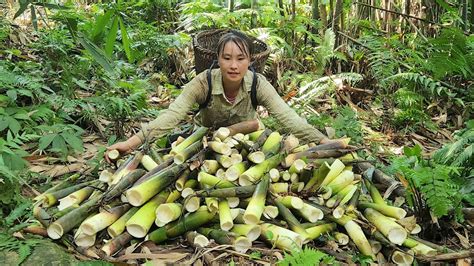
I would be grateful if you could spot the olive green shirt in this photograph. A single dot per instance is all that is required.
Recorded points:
(220, 112)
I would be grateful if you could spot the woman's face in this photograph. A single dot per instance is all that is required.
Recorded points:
(233, 63)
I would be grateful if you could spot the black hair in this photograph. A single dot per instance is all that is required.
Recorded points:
(240, 39)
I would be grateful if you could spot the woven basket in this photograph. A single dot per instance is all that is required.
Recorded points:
(205, 46)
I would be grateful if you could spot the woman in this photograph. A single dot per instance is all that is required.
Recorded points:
(230, 99)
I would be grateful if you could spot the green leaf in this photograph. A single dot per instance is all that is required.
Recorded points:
(59, 145)
(111, 37)
(74, 141)
(415, 151)
(3, 124)
(34, 20)
(102, 21)
(97, 54)
(125, 41)
(13, 125)
(12, 94)
(53, 6)
(19, 211)
(45, 141)
(23, 6)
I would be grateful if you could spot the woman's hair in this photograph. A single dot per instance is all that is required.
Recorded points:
(240, 39)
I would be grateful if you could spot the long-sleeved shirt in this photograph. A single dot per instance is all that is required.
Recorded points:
(220, 112)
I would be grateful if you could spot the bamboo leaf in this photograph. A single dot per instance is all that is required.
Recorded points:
(96, 53)
(109, 45)
(23, 6)
(125, 41)
(34, 20)
(102, 21)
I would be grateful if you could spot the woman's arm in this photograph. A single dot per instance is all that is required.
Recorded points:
(290, 120)
(193, 92)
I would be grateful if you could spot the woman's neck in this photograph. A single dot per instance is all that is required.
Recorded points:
(231, 90)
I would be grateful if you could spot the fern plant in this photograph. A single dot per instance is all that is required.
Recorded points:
(430, 186)
(307, 257)
(460, 154)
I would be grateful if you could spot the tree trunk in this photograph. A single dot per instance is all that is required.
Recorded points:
(324, 15)
(331, 13)
(280, 6)
(231, 5)
(314, 16)
(337, 21)
(464, 14)
(293, 10)
(472, 16)
(254, 7)
(315, 9)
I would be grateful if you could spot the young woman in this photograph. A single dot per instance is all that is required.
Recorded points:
(230, 100)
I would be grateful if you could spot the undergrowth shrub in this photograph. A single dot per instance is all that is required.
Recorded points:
(431, 186)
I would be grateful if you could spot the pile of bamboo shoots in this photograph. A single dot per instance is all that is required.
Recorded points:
(234, 186)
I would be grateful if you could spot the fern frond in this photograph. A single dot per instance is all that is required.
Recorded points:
(319, 86)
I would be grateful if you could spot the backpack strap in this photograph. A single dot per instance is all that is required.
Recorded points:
(209, 84)
(253, 90)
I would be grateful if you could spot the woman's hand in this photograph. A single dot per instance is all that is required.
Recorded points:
(123, 147)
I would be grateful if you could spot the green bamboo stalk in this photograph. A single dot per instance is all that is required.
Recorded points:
(251, 231)
(140, 223)
(291, 202)
(282, 238)
(240, 192)
(196, 239)
(219, 147)
(255, 135)
(182, 179)
(187, 223)
(213, 181)
(49, 199)
(254, 173)
(297, 166)
(257, 203)
(310, 213)
(293, 223)
(335, 169)
(393, 231)
(61, 185)
(374, 193)
(392, 211)
(126, 167)
(318, 230)
(166, 164)
(168, 212)
(239, 243)
(118, 227)
(127, 181)
(210, 166)
(195, 136)
(70, 220)
(148, 163)
(103, 219)
(225, 217)
(341, 181)
(181, 156)
(75, 198)
(318, 176)
(419, 248)
(141, 193)
(232, 173)
(117, 243)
